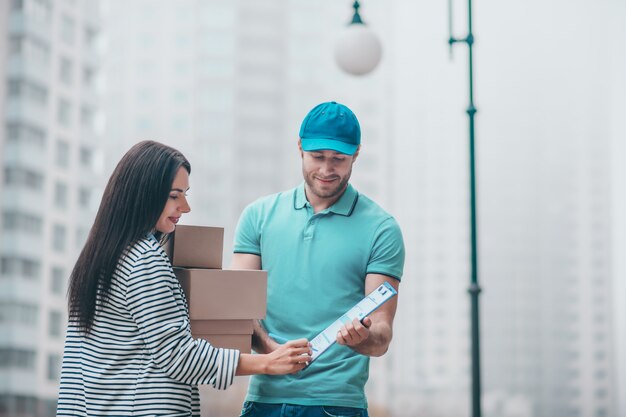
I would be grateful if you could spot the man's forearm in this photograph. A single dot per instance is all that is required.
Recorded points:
(261, 341)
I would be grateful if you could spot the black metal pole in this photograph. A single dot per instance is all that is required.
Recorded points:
(474, 288)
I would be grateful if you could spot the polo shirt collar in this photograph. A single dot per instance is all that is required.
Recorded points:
(300, 200)
(343, 206)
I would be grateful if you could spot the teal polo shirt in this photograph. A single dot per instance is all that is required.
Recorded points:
(317, 264)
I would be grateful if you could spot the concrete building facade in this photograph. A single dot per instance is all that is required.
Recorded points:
(49, 143)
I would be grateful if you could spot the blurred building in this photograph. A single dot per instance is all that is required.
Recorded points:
(207, 78)
(618, 184)
(544, 211)
(430, 353)
(48, 146)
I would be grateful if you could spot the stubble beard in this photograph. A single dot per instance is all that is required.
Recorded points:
(332, 193)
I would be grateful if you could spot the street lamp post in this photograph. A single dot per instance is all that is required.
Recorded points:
(474, 288)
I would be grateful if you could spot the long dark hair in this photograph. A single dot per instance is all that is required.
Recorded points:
(131, 205)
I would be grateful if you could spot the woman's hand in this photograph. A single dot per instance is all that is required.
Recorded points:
(288, 358)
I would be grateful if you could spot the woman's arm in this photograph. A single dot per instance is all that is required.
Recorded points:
(289, 358)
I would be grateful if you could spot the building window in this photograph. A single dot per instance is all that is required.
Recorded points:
(23, 222)
(12, 358)
(87, 118)
(20, 267)
(57, 282)
(19, 405)
(91, 37)
(29, 91)
(573, 412)
(89, 76)
(68, 29)
(81, 236)
(62, 154)
(84, 198)
(66, 71)
(26, 134)
(54, 367)
(15, 89)
(8, 266)
(20, 313)
(30, 49)
(31, 269)
(16, 46)
(64, 113)
(38, 9)
(23, 177)
(60, 195)
(59, 238)
(86, 158)
(5, 312)
(48, 407)
(55, 324)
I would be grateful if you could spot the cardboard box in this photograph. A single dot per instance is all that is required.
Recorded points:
(241, 342)
(221, 294)
(196, 247)
(222, 326)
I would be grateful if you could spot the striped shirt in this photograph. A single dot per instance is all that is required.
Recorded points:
(140, 359)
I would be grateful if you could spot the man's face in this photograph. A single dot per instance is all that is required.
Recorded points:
(327, 172)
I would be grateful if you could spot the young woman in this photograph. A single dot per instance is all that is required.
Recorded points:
(129, 350)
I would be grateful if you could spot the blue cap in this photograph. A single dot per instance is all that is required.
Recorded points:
(330, 126)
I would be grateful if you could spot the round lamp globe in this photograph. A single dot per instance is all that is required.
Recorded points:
(358, 50)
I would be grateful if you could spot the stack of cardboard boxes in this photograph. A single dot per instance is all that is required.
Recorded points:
(222, 303)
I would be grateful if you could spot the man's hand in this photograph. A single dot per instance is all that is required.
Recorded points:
(372, 336)
(355, 333)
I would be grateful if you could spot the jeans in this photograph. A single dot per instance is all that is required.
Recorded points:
(255, 409)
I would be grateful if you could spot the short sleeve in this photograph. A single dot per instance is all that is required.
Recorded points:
(387, 256)
(248, 231)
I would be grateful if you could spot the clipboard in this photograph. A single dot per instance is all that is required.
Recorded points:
(324, 340)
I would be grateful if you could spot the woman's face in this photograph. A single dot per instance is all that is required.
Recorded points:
(176, 203)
